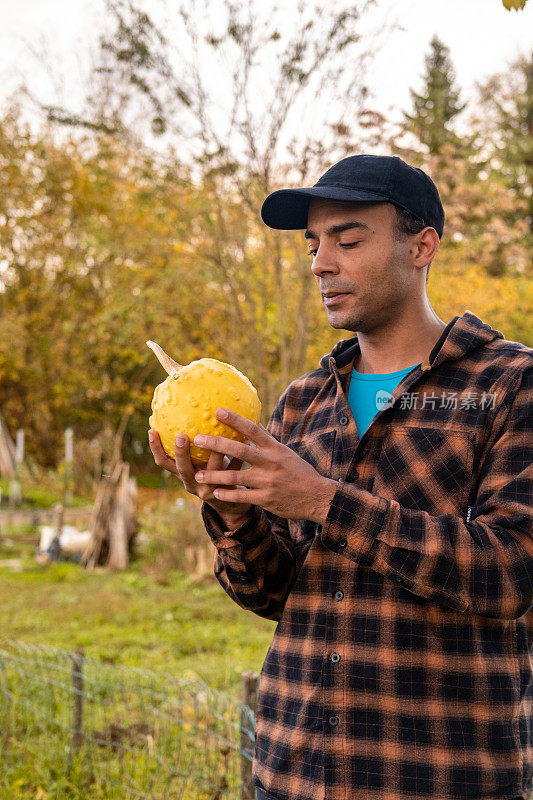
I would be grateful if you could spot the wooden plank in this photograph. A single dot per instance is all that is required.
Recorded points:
(118, 523)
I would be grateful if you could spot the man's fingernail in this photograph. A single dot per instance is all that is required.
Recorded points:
(181, 439)
(222, 413)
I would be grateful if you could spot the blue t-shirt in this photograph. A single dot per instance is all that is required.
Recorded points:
(368, 393)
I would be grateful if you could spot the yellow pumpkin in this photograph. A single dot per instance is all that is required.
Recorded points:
(186, 402)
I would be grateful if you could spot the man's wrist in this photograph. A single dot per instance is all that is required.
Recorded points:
(232, 522)
(324, 495)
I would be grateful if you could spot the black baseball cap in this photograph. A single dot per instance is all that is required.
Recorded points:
(361, 178)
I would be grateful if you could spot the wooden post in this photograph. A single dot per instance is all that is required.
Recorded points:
(249, 698)
(114, 521)
(19, 447)
(77, 684)
(8, 463)
(69, 457)
(15, 493)
(59, 515)
(99, 523)
(133, 522)
(54, 548)
(96, 447)
(119, 521)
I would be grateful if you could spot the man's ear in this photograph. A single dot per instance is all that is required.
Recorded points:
(425, 246)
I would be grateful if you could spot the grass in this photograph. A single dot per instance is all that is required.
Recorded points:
(143, 736)
(155, 615)
(40, 497)
(186, 626)
(152, 615)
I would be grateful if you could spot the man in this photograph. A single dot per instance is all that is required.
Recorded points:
(385, 522)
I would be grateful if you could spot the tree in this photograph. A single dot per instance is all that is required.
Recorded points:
(251, 96)
(506, 119)
(437, 106)
(91, 248)
(484, 214)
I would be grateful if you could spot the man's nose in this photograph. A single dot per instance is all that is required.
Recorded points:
(324, 261)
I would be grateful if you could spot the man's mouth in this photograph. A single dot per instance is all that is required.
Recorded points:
(333, 297)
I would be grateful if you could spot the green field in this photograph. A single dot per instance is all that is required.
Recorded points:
(153, 616)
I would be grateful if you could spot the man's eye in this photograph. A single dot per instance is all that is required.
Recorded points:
(347, 245)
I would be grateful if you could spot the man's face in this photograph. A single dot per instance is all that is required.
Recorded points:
(355, 252)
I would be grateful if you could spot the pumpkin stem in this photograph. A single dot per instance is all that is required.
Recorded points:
(166, 362)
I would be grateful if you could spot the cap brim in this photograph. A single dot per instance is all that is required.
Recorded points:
(287, 209)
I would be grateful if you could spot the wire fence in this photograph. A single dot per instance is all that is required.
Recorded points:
(72, 727)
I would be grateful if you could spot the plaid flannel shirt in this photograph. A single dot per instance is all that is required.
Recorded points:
(400, 665)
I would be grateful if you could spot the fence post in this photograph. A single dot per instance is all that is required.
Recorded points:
(69, 457)
(249, 698)
(77, 684)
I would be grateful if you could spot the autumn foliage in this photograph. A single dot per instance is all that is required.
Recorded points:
(105, 243)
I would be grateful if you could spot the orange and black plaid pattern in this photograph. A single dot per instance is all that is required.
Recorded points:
(400, 665)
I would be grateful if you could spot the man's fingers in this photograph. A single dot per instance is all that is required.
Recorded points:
(182, 465)
(160, 457)
(216, 461)
(185, 467)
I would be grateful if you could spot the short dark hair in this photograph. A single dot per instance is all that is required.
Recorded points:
(406, 224)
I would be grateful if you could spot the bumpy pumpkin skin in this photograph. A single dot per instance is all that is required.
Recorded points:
(186, 403)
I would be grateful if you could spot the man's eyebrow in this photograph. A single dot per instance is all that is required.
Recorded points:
(345, 226)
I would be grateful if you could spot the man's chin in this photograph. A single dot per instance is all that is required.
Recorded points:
(342, 323)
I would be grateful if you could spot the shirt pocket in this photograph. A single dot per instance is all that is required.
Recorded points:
(426, 469)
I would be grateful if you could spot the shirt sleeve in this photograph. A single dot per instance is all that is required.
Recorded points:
(257, 563)
(483, 566)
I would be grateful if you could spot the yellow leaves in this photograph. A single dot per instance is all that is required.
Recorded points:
(504, 302)
(134, 249)
(516, 5)
(183, 247)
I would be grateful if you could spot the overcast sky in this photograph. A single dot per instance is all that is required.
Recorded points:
(482, 36)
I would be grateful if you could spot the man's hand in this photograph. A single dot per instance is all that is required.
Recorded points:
(278, 479)
(233, 513)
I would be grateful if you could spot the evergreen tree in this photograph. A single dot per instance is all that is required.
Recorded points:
(482, 175)
(435, 108)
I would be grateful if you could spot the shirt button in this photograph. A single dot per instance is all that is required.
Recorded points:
(335, 657)
(333, 721)
(342, 544)
(353, 475)
(339, 595)
(343, 420)
(397, 578)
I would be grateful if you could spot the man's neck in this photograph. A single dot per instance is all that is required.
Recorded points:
(391, 350)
